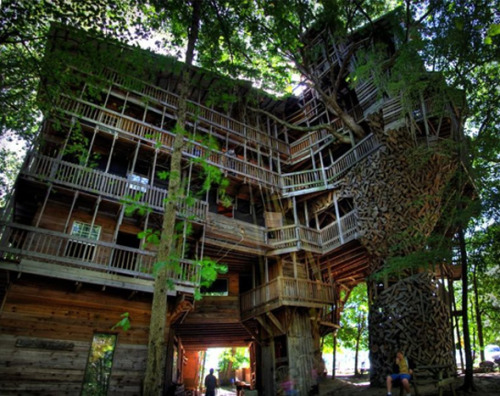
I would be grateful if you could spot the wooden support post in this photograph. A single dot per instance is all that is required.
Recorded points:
(424, 113)
(75, 197)
(337, 213)
(43, 206)
(294, 259)
(115, 137)
(90, 147)
(323, 172)
(265, 326)
(276, 322)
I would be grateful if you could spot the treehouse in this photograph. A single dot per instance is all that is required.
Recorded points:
(304, 218)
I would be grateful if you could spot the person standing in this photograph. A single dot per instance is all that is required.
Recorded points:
(210, 383)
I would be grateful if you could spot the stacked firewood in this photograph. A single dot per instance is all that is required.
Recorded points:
(409, 316)
(399, 192)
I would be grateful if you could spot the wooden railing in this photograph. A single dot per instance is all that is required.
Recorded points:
(91, 180)
(317, 140)
(248, 232)
(289, 291)
(294, 237)
(201, 113)
(153, 135)
(25, 242)
(367, 93)
(120, 188)
(295, 183)
(298, 183)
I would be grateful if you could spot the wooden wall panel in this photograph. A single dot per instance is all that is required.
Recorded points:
(46, 315)
(233, 284)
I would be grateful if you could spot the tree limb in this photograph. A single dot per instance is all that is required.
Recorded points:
(340, 137)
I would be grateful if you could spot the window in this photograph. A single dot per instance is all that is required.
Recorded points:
(86, 230)
(98, 369)
(137, 181)
(79, 249)
(218, 288)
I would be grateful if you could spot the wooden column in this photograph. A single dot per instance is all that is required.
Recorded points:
(337, 214)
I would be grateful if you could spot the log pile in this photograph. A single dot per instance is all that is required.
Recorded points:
(399, 192)
(409, 316)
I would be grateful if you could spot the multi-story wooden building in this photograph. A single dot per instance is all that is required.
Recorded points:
(309, 217)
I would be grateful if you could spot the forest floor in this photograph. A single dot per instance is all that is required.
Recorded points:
(487, 384)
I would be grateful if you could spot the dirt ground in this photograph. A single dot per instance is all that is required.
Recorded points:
(487, 384)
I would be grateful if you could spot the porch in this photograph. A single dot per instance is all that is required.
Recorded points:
(45, 252)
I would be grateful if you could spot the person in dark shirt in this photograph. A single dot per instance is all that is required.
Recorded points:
(210, 383)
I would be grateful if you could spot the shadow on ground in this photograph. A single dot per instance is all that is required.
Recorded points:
(487, 384)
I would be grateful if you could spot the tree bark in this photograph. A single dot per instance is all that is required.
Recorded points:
(469, 377)
(360, 328)
(159, 328)
(479, 322)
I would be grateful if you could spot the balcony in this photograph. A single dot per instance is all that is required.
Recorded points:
(82, 178)
(292, 238)
(285, 291)
(55, 254)
(291, 184)
(201, 113)
(280, 240)
(298, 183)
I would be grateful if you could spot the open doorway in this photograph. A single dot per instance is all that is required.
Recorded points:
(231, 367)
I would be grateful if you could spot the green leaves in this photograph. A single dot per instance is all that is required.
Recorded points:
(123, 323)
(133, 204)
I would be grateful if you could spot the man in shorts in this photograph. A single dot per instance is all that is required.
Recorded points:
(402, 372)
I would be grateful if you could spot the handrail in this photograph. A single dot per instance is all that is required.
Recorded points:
(297, 183)
(21, 241)
(92, 180)
(289, 236)
(151, 134)
(202, 112)
(289, 290)
(294, 237)
(291, 184)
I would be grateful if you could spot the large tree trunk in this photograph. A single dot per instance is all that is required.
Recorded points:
(361, 321)
(479, 322)
(159, 329)
(469, 378)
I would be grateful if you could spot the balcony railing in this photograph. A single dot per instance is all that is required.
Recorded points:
(92, 180)
(295, 183)
(112, 121)
(298, 183)
(20, 242)
(292, 237)
(285, 291)
(202, 113)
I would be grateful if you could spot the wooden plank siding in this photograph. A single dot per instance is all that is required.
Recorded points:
(49, 312)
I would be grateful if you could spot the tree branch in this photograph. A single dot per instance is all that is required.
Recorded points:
(341, 138)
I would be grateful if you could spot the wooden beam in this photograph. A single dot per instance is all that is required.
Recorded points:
(276, 322)
(265, 325)
(329, 324)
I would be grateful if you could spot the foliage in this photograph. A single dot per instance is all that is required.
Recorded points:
(354, 320)
(98, 370)
(10, 163)
(24, 26)
(240, 358)
(124, 322)
(484, 256)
